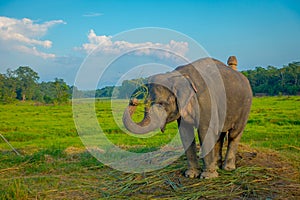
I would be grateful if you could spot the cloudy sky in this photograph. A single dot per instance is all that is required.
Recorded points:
(54, 37)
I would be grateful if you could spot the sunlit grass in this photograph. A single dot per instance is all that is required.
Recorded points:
(54, 163)
(274, 123)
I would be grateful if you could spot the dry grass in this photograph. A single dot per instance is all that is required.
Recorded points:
(260, 175)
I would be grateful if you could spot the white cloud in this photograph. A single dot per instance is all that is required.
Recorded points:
(23, 35)
(34, 52)
(105, 44)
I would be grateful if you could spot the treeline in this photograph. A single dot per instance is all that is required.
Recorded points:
(273, 81)
(22, 84)
(119, 92)
(268, 81)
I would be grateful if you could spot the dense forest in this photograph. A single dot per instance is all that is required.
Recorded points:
(273, 81)
(23, 84)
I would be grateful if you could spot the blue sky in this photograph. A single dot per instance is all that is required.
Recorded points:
(54, 37)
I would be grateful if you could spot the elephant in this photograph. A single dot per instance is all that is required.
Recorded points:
(205, 95)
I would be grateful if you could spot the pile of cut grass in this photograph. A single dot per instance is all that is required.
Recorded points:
(75, 174)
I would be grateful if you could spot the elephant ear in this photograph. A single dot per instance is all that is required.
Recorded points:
(185, 92)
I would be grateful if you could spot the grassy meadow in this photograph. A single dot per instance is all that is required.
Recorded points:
(54, 164)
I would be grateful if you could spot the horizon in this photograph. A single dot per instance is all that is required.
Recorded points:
(120, 83)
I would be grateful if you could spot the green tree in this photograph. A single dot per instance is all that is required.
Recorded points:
(61, 91)
(47, 92)
(2, 84)
(8, 87)
(105, 92)
(273, 77)
(26, 82)
(274, 81)
(292, 78)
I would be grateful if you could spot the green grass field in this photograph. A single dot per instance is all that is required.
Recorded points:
(53, 162)
(274, 123)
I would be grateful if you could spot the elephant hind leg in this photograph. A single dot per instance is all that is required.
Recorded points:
(234, 137)
(218, 149)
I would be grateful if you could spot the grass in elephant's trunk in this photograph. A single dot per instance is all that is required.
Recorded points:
(138, 101)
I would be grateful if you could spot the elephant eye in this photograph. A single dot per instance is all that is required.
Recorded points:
(163, 103)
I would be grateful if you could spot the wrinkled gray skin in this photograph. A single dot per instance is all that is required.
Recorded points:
(168, 91)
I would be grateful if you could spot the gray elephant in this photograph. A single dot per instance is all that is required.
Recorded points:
(207, 95)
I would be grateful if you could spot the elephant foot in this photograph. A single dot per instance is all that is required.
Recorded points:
(192, 173)
(209, 173)
(229, 166)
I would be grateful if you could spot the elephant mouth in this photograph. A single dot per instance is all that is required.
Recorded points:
(154, 117)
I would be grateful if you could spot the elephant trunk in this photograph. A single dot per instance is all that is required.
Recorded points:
(154, 117)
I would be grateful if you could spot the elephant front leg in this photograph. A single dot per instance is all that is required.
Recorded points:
(211, 148)
(210, 166)
(193, 170)
(188, 140)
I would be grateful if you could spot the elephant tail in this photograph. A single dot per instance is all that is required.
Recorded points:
(232, 62)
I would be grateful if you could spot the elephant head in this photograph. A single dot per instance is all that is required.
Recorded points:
(171, 96)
